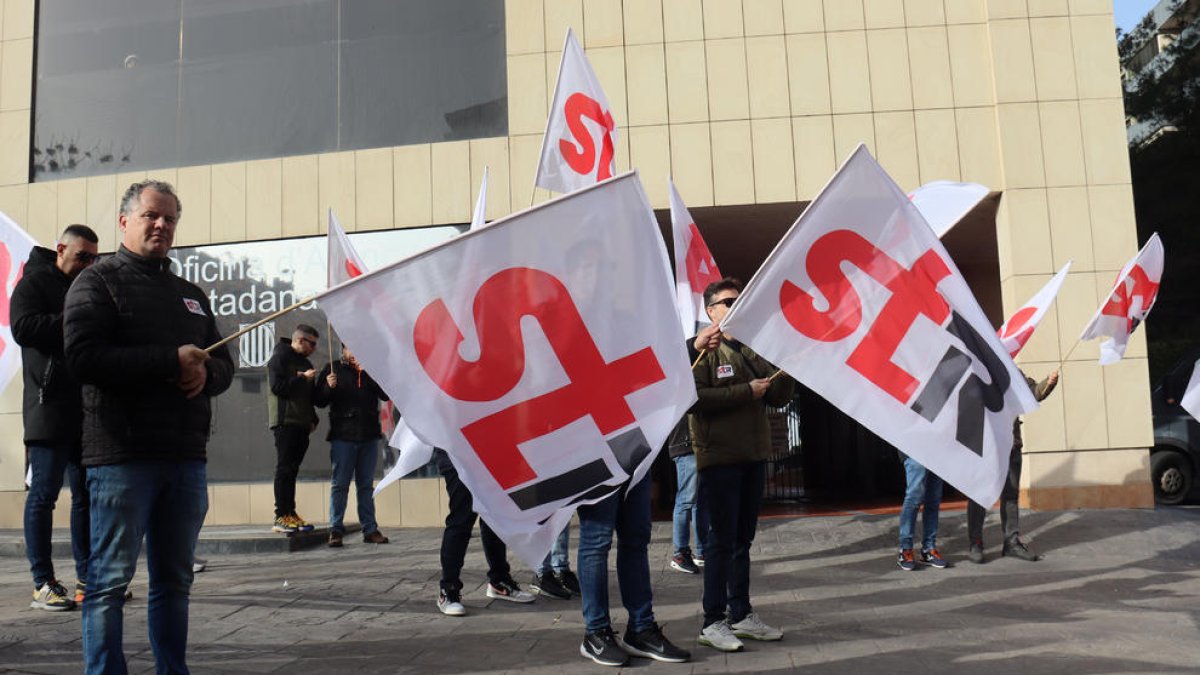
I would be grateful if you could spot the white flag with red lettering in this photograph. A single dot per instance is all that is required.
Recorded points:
(477, 218)
(534, 352)
(861, 304)
(15, 247)
(343, 261)
(695, 267)
(577, 149)
(1129, 303)
(943, 203)
(1020, 326)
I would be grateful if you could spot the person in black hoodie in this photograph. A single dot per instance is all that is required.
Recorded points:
(354, 432)
(52, 410)
(135, 334)
(292, 419)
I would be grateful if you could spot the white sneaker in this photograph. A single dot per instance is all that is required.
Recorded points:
(753, 628)
(450, 604)
(509, 590)
(720, 636)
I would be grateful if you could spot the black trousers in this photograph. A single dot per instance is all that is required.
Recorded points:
(730, 496)
(291, 443)
(1010, 511)
(459, 523)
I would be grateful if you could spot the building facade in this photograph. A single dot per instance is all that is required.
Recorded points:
(749, 105)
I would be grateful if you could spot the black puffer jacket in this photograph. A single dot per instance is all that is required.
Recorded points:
(125, 318)
(353, 403)
(52, 409)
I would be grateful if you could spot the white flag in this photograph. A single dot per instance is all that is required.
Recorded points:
(343, 262)
(577, 149)
(535, 352)
(1129, 303)
(1191, 396)
(414, 454)
(477, 218)
(943, 203)
(15, 247)
(861, 304)
(1020, 326)
(695, 267)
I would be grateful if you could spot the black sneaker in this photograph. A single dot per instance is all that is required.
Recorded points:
(682, 561)
(569, 581)
(508, 589)
(652, 644)
(547, 584)
(602, 648)
(1017, 549)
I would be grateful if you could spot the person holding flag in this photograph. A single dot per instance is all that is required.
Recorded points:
(731, 437)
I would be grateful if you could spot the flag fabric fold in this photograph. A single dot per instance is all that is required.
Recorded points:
(479, 215)
(578, 146)
(343, 262)
(695, 267)
(943, 203)
(1020, 326)
(1129, 302)
(861, 303)
(533, 351)
(15, 247)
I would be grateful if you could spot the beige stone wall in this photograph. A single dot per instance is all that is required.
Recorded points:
(743, 102)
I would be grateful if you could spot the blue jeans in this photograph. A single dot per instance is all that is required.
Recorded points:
(629, 516)
(48, 465)
(355, 459)
(687, 510)
(558, 559)
(164, 501)
(730, 496)
(923, 487)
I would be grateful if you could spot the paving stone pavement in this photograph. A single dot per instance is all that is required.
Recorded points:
(1117, 592)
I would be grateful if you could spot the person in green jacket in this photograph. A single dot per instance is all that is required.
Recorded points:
(731, 437)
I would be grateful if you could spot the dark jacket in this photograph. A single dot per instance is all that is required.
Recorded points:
(291, 400)
(679, 442)
(353, 403)
(730, 426)
(124, 320)
(52, 409)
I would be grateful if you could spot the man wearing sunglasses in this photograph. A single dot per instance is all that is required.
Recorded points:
(731, 437)
(293, 418)
(52, 411)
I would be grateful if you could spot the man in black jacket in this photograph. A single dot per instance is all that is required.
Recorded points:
(292, 419)
(354, 432)
(51, 410)
(134, 335)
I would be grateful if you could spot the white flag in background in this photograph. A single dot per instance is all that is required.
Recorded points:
(1020, 326)
(1129, 303)
(15, 247)
(943, 203)
(695, 267)
(577, 149)
(861, 304)
(539, 352)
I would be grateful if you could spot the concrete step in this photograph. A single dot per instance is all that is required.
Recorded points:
(215, 540)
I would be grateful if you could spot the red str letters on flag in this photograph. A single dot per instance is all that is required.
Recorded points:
(583, 161)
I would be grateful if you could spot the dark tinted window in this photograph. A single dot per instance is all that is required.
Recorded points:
(141, 84)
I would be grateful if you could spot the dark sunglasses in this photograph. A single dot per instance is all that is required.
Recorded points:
(85, 257)
(310, 342)
(728, 302)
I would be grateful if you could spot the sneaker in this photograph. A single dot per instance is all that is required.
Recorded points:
(284, 524)
(375, 537)
(335, 540)
(753, 628)
(547, 584)
(602, 648)
(450, 603)
(80, 591)
(507, 589)
(52, 597)
(199, 565)
(302, 525)
(975, 553)
(905, 560)
(720, 636)
(652, 644)
(1016, 548)
(932, 558)
(569, 581)
(698, 561)
(682, 561)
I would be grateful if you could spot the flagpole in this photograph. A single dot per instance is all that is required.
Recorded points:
(329, 336)
(775, 375)
(1063, 361)
(256, 324)
(697, 361)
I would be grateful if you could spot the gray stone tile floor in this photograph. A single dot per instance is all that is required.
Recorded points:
(1117, 592)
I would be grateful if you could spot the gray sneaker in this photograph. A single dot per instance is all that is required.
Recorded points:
(720, 636)
(753, 628)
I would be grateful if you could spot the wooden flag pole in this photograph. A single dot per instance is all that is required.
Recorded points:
(256, 324)
(1069, 352)
(697, 361)
(775, 375)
